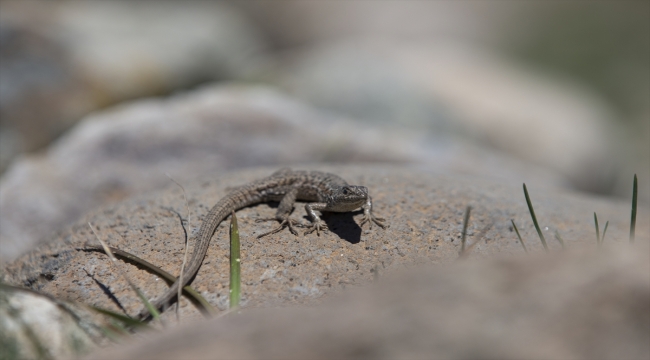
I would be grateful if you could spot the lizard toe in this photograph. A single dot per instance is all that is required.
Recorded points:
(318, 227)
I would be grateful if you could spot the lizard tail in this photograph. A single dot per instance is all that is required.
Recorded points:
(216, 215)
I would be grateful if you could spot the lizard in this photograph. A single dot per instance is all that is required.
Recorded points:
(323, 191)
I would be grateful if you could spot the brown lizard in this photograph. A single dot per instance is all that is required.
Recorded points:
(323, 191)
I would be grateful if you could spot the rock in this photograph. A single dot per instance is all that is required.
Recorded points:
(454, 90)
(506, 77)
(398, 22)
(62, 60)
(567, 305)
(128, 150)
(33, 326)
(425, 213)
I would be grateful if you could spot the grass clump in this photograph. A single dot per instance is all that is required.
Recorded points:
(633, 217)
(468, 210)
(599, 239)
(519, 236)
(532, 214)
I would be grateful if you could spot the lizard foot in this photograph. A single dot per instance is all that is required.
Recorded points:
(317, 226)
(370, 218)
(283, 224)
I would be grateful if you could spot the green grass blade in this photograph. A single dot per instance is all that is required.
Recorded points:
(633, 219)
(119, 328)
(532, 214)
(597, 229)
(519, 236)
(112, 335)
(235, 271)
(464, 233)
(152, 309)
(604, 231)
(122, 318)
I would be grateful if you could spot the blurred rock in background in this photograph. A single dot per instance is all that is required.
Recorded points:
(564, 84)
(128, 149)
(59, 61)
(465, 93)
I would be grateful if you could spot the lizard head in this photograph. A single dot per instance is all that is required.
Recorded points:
(347, 198)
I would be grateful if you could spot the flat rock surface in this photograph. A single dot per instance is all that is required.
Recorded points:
(424, 210)
(568, 305)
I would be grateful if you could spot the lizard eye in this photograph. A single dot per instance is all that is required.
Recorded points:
(346, 191)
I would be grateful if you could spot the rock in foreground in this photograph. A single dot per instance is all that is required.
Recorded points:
(562, 306)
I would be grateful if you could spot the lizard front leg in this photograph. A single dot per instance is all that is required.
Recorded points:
(282, 215)
(369, 217)
(316, 223)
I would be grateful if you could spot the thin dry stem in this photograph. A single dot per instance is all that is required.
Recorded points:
(189, 231)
